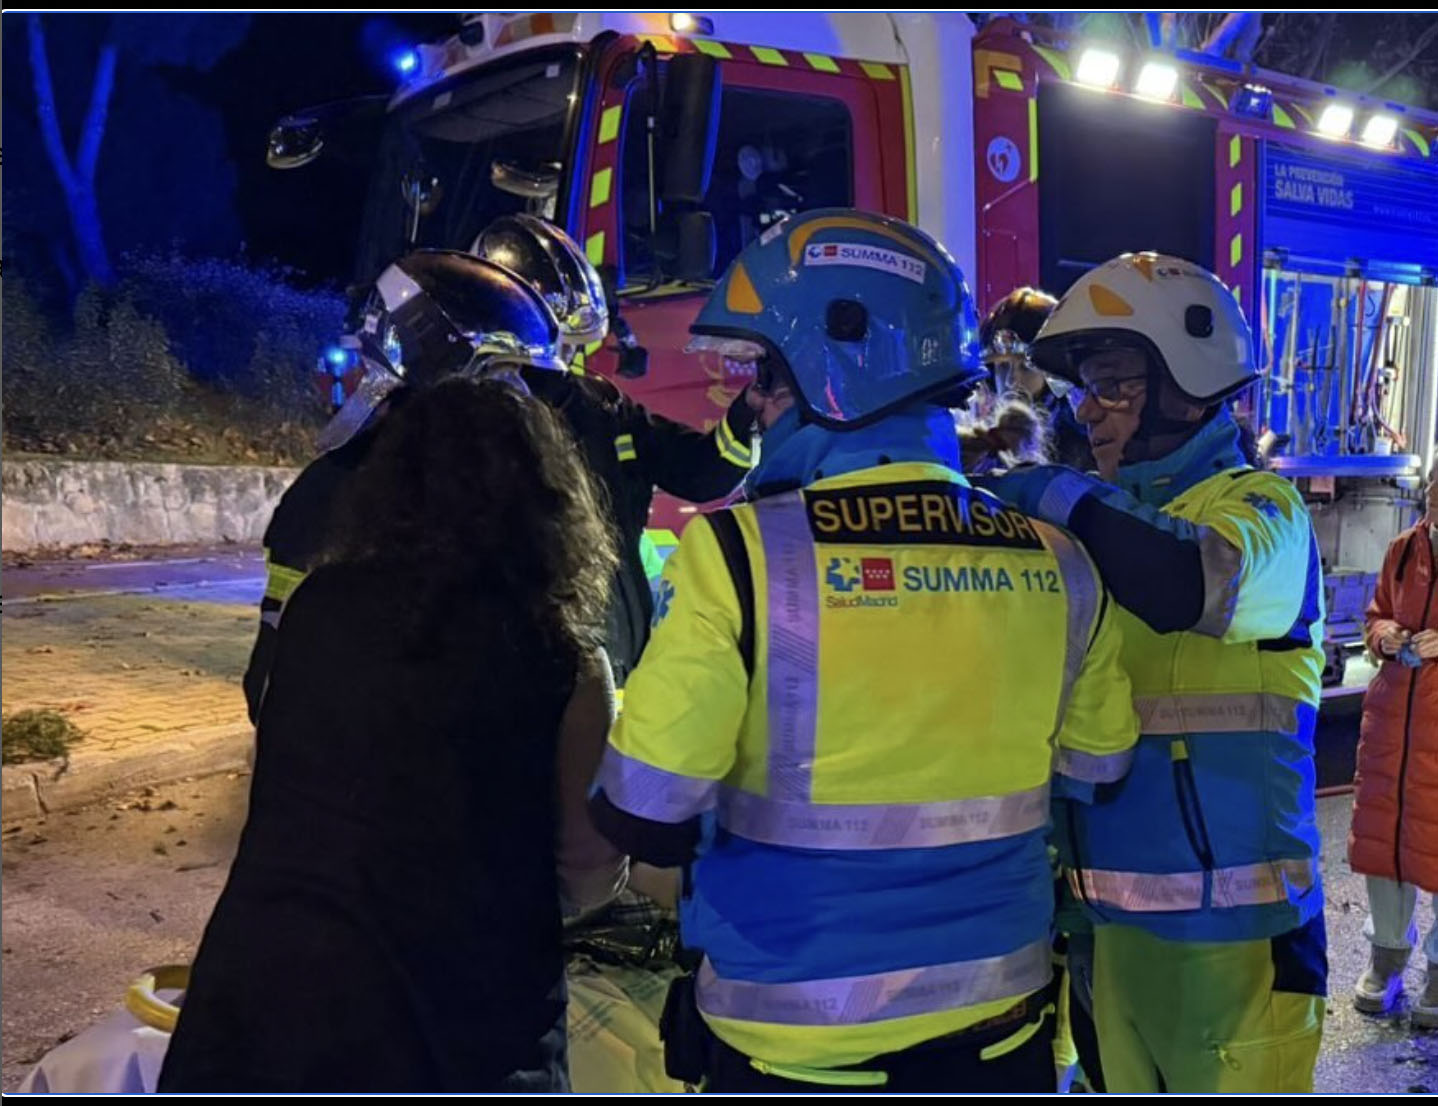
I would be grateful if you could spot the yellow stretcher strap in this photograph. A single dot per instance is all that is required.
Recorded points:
(1016, 1040)
(821, 1076)
(149, 1007)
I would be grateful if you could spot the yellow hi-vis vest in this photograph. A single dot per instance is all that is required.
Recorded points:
(888, 662)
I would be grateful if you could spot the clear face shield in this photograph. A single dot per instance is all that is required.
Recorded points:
(376, 382)
(1013, 371)
(739, 357)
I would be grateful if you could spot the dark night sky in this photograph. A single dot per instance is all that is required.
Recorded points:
(304, 218)
(162, 172)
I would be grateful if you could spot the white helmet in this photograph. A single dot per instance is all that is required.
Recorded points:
(1180, 312)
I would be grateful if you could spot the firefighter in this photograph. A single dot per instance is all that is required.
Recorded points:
(630, 449)
(552, 263)
(430, 314)
(1200, 869)
(846, 720)
(443, 329)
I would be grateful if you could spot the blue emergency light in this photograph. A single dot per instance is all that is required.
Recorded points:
(406, 61)
(1253, 100)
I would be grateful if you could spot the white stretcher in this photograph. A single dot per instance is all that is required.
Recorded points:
(613, 1035)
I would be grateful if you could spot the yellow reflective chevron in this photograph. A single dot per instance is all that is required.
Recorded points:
(599, 187)
(730, 447)
(712, 48)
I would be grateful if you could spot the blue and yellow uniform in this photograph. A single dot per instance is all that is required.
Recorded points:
(853, 707)
(1200, 869)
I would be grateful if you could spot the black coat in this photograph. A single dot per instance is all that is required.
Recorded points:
(391, 921)
(631, 451)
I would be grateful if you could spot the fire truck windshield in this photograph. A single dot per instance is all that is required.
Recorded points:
(454, 157)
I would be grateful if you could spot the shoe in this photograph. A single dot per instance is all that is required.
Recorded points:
(1378, 988)
(1424, 1013)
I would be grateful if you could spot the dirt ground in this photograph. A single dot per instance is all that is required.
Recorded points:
(92, 897)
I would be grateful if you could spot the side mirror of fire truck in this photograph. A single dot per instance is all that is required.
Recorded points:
(295, 140)
(346, 129)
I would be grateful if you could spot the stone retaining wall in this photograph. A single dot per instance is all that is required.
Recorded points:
(55, 503)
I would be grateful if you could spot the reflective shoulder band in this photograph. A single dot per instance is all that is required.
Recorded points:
(1222, 567)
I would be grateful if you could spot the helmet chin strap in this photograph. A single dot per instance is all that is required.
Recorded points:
(1159, 434)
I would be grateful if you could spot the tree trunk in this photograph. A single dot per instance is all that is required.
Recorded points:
(77, 182)
(84, 208)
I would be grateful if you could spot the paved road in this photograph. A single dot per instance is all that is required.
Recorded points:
(231, 574)
(94, 896)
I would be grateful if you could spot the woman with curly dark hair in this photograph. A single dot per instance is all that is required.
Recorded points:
(435, 712)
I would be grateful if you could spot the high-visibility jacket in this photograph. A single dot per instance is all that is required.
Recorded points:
(862, 689)
(1212, 835)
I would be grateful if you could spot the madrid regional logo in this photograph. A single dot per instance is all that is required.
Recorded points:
(854, 582)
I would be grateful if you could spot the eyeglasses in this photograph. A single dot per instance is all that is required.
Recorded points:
(1112, 393)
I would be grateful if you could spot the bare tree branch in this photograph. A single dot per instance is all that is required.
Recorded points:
(1247, 40)
(1266, 35)
(1320, 45)
(1419, 45)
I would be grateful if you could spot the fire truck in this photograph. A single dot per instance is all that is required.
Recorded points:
(664, 142)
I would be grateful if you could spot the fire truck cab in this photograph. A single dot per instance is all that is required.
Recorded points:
(664, 142)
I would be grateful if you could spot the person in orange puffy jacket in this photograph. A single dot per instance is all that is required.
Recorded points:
(1394, 840)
